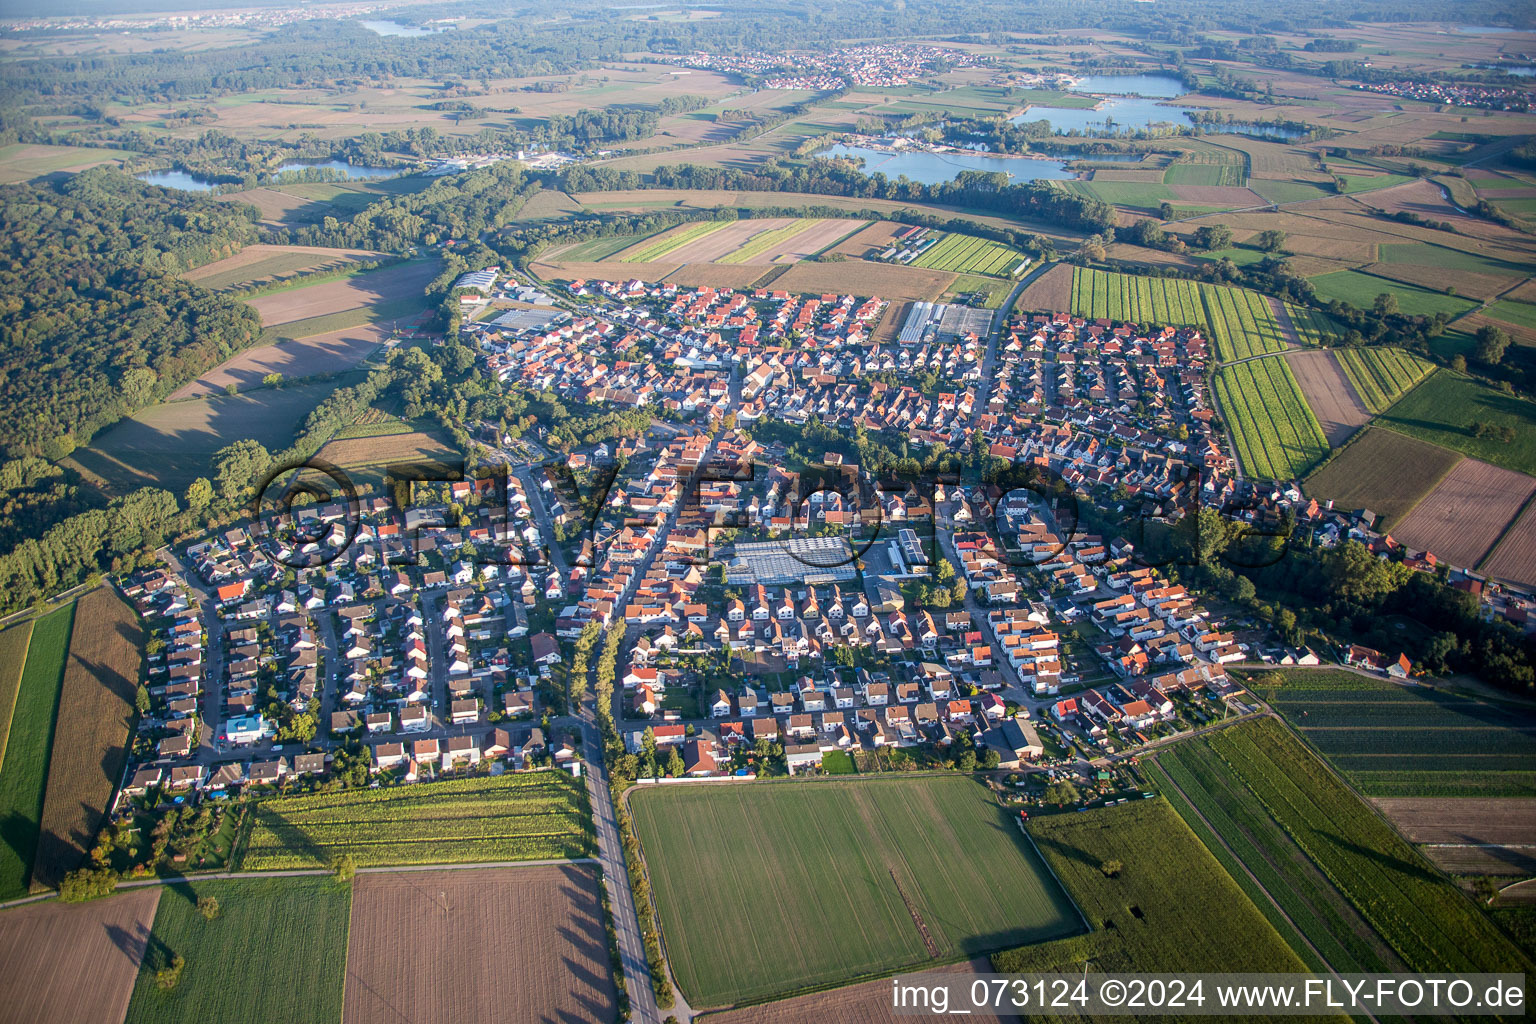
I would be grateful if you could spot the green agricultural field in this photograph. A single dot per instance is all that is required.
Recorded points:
(1242, 322)
(1425, 920)
(996, 289)
(13, 658)
(1443, 409)
(1381, 375)
(535, 816)
(1521, 314)
(967, 254)
(1383, 471)
(1137, 194)
(1313, 327)
(1289, 191)
(1273, 430)
(1360, 290)
(29, 747)
(1189, 915)
(1225, 173)
(679, 238)
(597, 249)
(824, 873)
(1392, 740)
(1417, 254)
(1245, 839)
(1164, 300)
(1370, 182)
(276, 952)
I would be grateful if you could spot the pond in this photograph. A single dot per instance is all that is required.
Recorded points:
(932, 168)
(1266, 131)
(195, 183)
(354, 172)
(395, 28)
(1478, 30)
(176, 179)
(1516, 70)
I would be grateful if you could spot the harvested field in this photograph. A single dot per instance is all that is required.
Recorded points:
(300, 357)
(1329, 393)
(866, 1003)
(405, 279)
(1050, 292)
(13, 655)
(822, 234)
(894, 284)
(169, 444)
(650, 272)
(1466, 512)
(716, 275)
(21, 161)
(875, 238)
(1383, 471)
(90, 741)
(263, 264)
(1469, 835)
(548, 960)
(277, 209)
(378, 451)
(1514, 559)
(74, 963)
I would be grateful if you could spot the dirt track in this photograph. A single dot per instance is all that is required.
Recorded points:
(1331, 396)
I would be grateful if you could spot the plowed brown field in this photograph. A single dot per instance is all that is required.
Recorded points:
(479, 946)
(1515, 557)
(1466, 835)
(866, 1003)
(74, 963)
(1462, 517)
(1338, 409)
(392, 283)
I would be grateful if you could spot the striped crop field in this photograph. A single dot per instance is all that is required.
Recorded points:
(1242, 322)
(765, 241)
(967, 254)
(1273, 431)
(1383, 374)
(1164, 300)
(663, 244)
(532, 816)
(1313, 327)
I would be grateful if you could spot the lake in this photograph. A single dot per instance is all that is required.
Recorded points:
(1131, 105)
(932, 168)
(1118, 113)
(394, 28)
(1478, 30)
(1516, 70)
(1157, 87)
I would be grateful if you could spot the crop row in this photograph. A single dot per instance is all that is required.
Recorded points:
(967, 254)
(1427, 921)
(657, 249)
(1242, 322)
(1266, 851)
(304, 852)
(1275, 433)
(1381, 375)
(765, 241)
(1141, 300)
(1312, 327)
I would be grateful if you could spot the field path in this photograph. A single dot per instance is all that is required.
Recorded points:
(1328, 391)
(1283, 318)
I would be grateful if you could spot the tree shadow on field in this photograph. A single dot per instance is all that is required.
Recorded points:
(131, 942)
(1065, 851)
(1386, 860)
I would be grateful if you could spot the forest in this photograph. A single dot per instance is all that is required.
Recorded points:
(96, 325)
